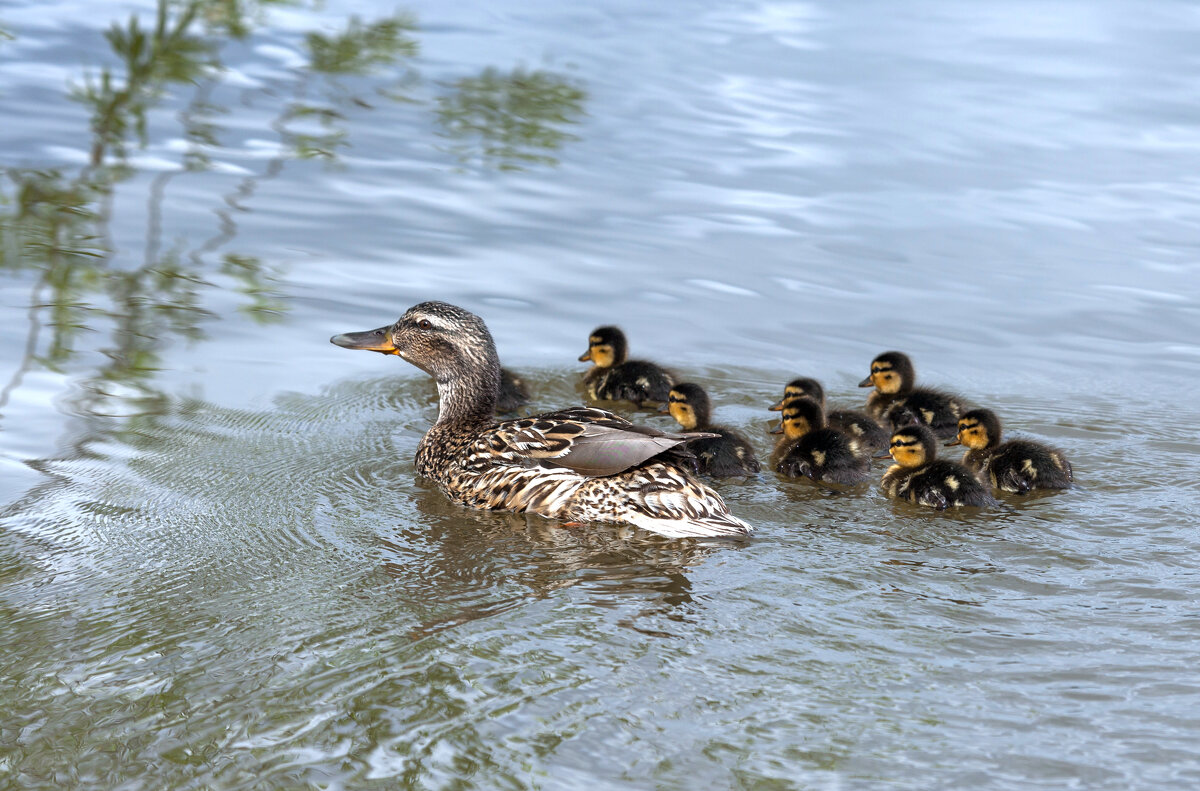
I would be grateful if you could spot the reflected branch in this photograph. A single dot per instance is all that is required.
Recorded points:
(57, 223)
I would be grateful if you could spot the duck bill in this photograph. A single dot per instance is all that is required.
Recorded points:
(777, 430)
(868, 382)
(583, 358)
(777, 406)
(665, 409)
(379, 340)
(887, 454)
(953, 442)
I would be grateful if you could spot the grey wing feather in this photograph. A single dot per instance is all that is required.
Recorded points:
(601, 450)
(590, 441)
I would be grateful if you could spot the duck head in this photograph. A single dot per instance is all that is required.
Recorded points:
(606, 347)
(891, 372)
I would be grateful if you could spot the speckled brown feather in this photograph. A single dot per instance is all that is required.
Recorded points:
(578, 464)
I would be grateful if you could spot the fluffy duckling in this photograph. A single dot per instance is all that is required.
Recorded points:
(898, 402)
(614, 378)
(513, 394)
(859, 425)
(921, 478)
(576, 464)
(1018, 465)
(722, 456)
(809, 448)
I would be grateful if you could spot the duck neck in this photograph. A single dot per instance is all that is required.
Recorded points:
(468, 399)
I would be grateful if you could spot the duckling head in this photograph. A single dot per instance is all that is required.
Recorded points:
(978, 429)
(913, 446)
(606, 347)
(800, 416)
(900, 416)
(891, 372)
(443, 340)
(689, 405)
(803, 387)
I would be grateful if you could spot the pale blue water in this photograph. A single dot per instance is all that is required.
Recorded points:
(218, 571)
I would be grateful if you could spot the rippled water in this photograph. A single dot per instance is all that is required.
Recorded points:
(217, 569)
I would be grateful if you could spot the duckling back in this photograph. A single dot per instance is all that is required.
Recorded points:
(859, 426)
(724, 456)
(824, 455)
(931, 408)
(632, 380)
(938, 484)
(1023, 465)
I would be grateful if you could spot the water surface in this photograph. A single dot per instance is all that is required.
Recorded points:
(217, 569)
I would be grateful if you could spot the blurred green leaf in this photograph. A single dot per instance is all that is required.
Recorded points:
(361, 48)
(510, 119)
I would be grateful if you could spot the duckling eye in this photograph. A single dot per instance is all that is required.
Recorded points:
(425, 324)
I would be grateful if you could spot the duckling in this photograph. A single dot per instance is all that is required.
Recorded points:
(723, 455)
(614, 378)
(579, 464)
(1018, 465)
(921, 478)
(811, 449)
(892, 376)
(513, 394)
(859, 425)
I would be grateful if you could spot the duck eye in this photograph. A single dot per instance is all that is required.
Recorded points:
(425, 324)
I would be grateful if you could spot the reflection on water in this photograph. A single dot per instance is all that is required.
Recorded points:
(516, 117)
(218, 571)
(56, 222)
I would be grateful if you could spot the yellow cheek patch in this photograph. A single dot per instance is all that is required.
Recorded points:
(683, 414)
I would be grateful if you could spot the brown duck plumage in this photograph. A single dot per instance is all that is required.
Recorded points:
(579, 464)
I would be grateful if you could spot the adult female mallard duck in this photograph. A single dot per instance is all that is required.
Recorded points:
(615, 378)
(723, 455)
(870, 435)
(577, 464)
(897, 401)
(1018, 465)
(810, 449)
(921, 478)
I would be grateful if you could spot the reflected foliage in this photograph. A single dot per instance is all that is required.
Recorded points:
(361, 48)
(54, 223)
(510, 120)
(150, 60)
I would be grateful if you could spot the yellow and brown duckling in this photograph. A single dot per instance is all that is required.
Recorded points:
(724, 455)
(897, 401)
(859, 425)
(578, 464)
(920, 477)
(1018, 465)
(613, 377)
(808, 448)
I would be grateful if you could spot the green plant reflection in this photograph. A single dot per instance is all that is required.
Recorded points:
(510, 119)
(55, 223)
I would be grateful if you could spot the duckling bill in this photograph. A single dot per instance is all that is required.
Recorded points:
(579, 464)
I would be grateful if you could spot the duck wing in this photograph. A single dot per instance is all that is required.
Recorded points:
(592, 442)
